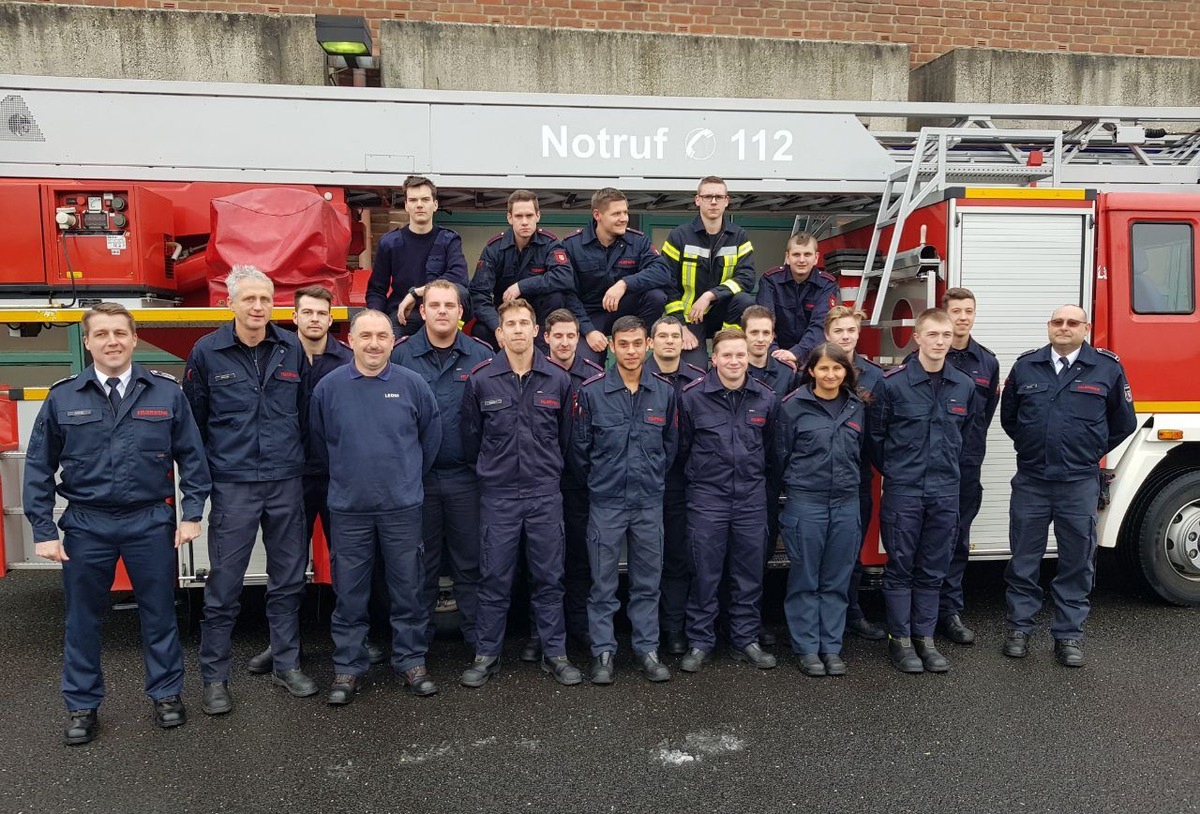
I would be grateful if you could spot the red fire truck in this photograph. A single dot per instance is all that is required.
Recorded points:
(106, 190)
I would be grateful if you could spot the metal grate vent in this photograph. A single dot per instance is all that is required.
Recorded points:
(16, 122)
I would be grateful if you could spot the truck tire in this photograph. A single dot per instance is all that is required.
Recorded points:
(1166, 540)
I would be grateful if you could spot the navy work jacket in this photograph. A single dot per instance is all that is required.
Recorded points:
(517, 429)
(336, 354)
(1063, 425)
(622, 442)
(630, 257)
(916, 438)
(684, 375)
(378, 436)
(541, 268)
(724, 438)
(581, 370)
(799, 308)
(120, 460)
(448, 383)
(777, 376)
(252, 415)
(820, 455)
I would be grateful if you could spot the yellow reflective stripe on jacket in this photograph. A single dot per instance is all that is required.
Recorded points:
(730, 257)
(670, 251)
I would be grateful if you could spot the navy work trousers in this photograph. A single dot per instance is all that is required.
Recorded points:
(918, 533)
(677, 566)
(643, 530)
(93, 539)
(648, 305)
(970, 498)
(822, 542)
(502, 521)
(238, 511)
(1071, 507)
(725, 540)
(450, 528)
(394, 537)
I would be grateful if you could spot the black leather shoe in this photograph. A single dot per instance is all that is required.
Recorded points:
(262, 663)
(342, 690)
(904, 657)
(483, 668)
(1016, 644)
(931, 659)
(375, 653)
(217, 700)
(532, 651)
(952, 628)
(675, 642)
(419, 682)
(766, 638)
(562, 669)
(652, 668)
(602, 668)
(81, 727)
(169, 712)
(834, 665)
(1069, 652)
(296, 682)
(811, 665)
(755, 655)
(865, 629)
(694, 659)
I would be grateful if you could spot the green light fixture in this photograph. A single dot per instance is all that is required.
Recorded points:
(344, 36)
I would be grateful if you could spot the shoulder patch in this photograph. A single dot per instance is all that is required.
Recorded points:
(662, 379)
(893, 371)
(576, 232)
(1026, 353)
(481, 365)
(1109, 354)
(866, 360)
(64, 381)
(494, 239)
(774, 270)
(163, 375)
(788, 397)
(589, 362)
(598, 377)
(403, 339)
(699, 370)
(547, 233)
(560, 257)
(691, 384)
(475, 339)
(827, 276)
(635, 231)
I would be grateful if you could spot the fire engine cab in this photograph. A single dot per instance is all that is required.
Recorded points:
(122, 190)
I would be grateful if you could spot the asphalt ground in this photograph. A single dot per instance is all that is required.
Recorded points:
(993, 735)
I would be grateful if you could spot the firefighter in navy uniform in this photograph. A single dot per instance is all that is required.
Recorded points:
(444, 357)
(759, 324)
(800, 295)
(1066, 406)
(981, 366)
(117, 430)
(916, 425)
(842, 327)
(246, 383)
(562, 336)
(726, 422)
(624, 437)
(666, 346)
(711, 261)
(525, 262)
(617, 272)
(516, 424)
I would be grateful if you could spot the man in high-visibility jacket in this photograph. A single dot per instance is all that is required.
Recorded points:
(712, 267)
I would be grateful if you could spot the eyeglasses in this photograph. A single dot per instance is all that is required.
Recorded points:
(1070, 323)
(713, 198)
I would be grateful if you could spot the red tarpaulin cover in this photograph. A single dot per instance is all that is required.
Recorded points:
(296, 238)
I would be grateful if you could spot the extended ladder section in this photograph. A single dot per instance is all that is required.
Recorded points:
(941, 157)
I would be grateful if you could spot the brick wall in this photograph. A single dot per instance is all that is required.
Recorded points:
(929, 27)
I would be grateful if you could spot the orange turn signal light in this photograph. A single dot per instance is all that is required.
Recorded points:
(1170, 435)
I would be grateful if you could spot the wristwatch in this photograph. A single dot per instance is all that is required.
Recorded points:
(412, 292)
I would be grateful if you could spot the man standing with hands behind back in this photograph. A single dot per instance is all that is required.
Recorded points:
(1066, 406)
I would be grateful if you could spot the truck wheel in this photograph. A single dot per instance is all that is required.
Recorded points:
(1168, 540)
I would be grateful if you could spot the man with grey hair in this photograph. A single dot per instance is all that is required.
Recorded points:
(245, 383)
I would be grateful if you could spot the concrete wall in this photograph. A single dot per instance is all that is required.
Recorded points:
(110, 43)
(558, 60)
(1031, 77)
